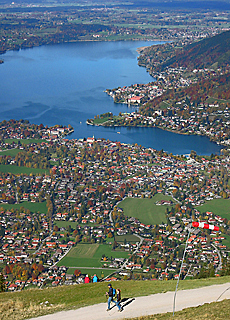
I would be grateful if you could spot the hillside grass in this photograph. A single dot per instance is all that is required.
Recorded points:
(219, 207)
(31, 303)
(89, 255)
(216, 310)
(145, 209)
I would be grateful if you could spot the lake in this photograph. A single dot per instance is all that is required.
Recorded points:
(65, 84)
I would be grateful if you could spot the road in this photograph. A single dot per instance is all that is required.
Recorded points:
(220, 259)
(140, 306)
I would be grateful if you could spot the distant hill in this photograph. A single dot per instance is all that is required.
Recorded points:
(214, 51)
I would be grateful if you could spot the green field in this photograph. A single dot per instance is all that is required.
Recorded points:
(89, 255)
(219, 207)
(25, 141)
(73, 224)
(100, 120)
(145, 210)
(17, 170)
(131, 238)
(10, 152)
(211, 100)
(226, 242)
(32, 206)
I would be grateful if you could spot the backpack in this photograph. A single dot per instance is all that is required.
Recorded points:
(114, 292)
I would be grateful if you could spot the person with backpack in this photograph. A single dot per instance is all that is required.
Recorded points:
(118, 296)
(111, 293)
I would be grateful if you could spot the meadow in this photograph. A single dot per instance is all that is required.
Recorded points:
(219, 207)
(18, 170)
(25, 141)
(32, 206)
(145, 209)
(89, 255)
(131, 238)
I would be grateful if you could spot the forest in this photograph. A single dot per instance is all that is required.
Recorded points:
(212, 52)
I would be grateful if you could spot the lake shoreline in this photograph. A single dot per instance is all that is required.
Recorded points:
(72, 99)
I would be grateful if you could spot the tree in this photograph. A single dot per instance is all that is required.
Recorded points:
(110, 235)
(77, 272)
(2, 283)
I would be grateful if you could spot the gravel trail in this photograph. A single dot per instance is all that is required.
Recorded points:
(140, 306)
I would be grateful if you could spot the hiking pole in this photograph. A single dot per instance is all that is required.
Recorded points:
(222, 293)
(174, 300)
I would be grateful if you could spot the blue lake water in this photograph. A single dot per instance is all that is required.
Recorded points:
(65, 83)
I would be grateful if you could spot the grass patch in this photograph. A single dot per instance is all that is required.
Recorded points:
(27, 303)
(131, 238)
(216, 310)
(73, 224)
(219, 207)
(164, 105)
(145, 210)
(101, 120)
(25, 141)
(18, 170)
(89, 255)
(226, 242)
(211, 100)
(10, 152)
(32, 206)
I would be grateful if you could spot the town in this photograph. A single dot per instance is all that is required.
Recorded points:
(76, 207)
(30, 25)
(184, 99)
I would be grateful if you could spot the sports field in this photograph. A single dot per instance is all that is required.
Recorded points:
(219, 207)
(89, 255)
(146, 210)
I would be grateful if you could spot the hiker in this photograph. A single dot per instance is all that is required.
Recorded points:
(111, 294)
(87, 280)
(118, 296)
(95, 278)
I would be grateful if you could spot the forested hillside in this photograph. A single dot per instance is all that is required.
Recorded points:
(210, 52)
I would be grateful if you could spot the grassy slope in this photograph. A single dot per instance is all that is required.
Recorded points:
(27, 303)
(145, 210)
(215, 310)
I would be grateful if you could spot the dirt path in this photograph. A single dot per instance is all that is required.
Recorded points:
(140, 306)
